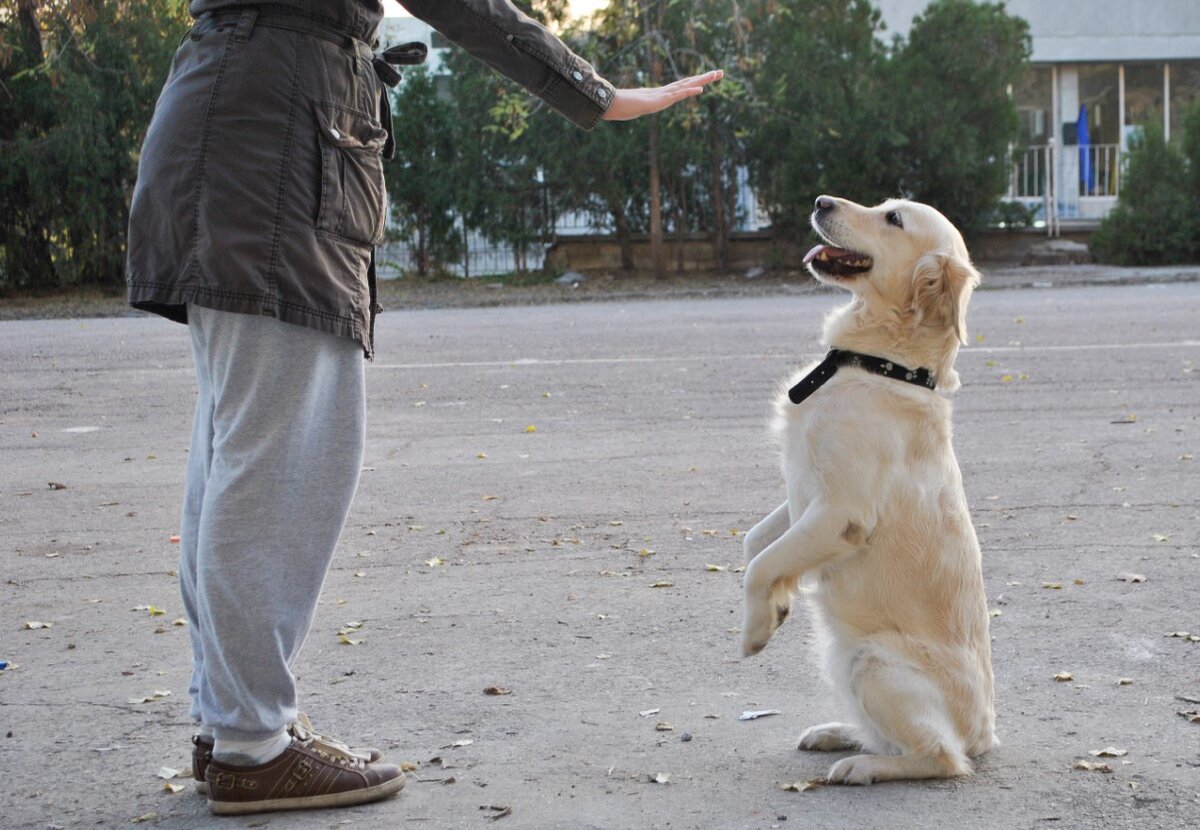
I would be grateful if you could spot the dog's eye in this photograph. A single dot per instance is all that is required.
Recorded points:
(893, 218)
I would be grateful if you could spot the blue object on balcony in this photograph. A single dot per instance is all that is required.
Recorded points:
(1087, 176)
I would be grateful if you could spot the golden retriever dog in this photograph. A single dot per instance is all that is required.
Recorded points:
(875, 528)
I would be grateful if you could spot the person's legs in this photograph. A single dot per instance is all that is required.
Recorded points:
(276, 453)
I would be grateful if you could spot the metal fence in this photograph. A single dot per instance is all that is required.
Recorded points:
(1070, 182)
(484, 257)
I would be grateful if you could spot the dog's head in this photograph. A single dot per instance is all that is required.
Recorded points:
(910, 274)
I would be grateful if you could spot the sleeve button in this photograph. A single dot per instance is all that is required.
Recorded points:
(577, 75)
(602, 92)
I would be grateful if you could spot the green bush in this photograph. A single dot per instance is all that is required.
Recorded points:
(1157, 217)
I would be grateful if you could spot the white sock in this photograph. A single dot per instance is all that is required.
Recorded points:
(204, 731)
(251, 753)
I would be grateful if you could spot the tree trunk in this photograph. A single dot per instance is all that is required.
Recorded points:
(624, 237)
(680, 216)
(27, 15)
(421, 254)
(720, 230)
(656, 224)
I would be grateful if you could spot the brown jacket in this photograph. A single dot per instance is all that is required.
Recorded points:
(260, 186)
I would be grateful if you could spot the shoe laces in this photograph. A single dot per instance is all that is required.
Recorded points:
(328, 748)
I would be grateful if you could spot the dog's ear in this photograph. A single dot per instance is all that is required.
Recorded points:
(942, 286)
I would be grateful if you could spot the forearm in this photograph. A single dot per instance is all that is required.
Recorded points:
(500, 35)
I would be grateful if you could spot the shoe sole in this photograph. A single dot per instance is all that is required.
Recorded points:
(311, 802)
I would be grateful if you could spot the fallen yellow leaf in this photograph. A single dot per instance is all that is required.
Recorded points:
(803, 786)
(1063, 677)
(663, 585)
(1092, 766)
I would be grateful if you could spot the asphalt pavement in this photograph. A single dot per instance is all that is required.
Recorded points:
(551, 507)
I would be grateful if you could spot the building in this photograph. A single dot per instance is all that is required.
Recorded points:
(1101, 70)
(396, 30)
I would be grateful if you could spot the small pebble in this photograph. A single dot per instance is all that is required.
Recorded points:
(685, 737)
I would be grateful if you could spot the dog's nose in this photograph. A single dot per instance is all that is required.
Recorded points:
(825, 203)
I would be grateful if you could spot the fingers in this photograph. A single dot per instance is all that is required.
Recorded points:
(701, 80)
(633, 103)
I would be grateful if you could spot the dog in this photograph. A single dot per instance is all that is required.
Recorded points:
(875, 528)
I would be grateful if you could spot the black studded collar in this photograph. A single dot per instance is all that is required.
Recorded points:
(838, 358)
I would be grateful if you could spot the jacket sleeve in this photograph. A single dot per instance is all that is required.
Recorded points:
(509, 41)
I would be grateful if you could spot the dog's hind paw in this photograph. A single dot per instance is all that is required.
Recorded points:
(869, 769)
(829, 737)
(857, 770)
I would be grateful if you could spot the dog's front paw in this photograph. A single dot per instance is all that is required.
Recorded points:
(761, 621)
(762, 618)
(856, 770)
(766, 610)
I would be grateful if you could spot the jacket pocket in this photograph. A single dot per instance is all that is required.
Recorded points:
(353, 201)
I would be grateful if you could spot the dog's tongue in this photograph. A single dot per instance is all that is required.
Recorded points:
(825, 252)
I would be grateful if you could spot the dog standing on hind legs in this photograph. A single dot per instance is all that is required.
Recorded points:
(876, 525)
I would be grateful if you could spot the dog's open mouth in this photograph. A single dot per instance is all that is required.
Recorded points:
(837, 262)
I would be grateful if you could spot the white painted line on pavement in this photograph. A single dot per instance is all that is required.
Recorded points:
(583, 361)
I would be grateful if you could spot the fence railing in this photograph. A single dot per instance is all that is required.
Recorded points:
(484, 257)
(1082, 170)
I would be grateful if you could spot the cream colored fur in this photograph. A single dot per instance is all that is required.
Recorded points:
(876, 525)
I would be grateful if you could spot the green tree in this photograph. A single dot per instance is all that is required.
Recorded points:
(827, 124)
(949, 83)
(601, 173)
(78, 82)
(705, 141)
(420, 178)
(497, 163)
(1157, 217)
(929, 117)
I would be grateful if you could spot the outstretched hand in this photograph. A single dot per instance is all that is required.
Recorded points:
(632, 103)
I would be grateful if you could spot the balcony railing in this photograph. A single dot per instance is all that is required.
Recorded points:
(1082, 170)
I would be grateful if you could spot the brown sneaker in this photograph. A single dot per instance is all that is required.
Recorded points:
(308, 775)
(300, 728)
(202, 747)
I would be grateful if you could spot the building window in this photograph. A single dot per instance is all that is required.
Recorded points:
(1099, 103)
(1034, 98)
(1185, 90)
(1143, 97)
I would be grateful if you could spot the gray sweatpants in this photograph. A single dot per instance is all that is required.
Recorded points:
(275, 456)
